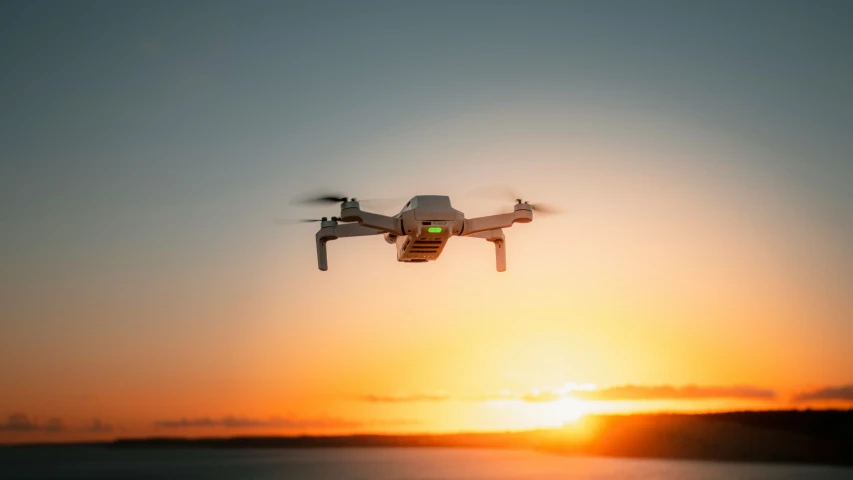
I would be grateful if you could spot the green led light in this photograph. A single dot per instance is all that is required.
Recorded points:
(434, 229)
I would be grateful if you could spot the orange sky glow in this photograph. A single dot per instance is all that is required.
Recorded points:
(650, 312)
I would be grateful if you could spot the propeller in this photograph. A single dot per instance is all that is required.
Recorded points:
(291, 221)
(319, 199)
(326, 198)
(505, 193)
(545, 209)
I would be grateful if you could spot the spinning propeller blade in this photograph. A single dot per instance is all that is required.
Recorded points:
(319, 199)
(326, 197)
(545, 209)
(504, 192)
(291, 221)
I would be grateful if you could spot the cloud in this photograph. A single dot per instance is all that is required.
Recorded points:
(54, 424)
(405, 398)
(98, 426)
(247, 422)
(21, 422)
(589, 392)
(832, 393)
(18, 422)
(539, 397)
(669, 392)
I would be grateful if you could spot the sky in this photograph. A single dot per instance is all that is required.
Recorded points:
(701, 152)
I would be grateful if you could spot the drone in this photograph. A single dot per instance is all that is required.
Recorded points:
(421, 229)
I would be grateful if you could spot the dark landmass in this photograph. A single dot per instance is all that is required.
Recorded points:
(818, 437)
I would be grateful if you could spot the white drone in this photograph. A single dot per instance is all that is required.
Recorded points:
(421, 229)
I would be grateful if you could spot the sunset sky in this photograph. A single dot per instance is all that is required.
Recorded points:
(703, 155)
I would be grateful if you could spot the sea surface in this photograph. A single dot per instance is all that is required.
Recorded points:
(371, 463)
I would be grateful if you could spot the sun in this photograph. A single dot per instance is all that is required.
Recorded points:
(555, 413)
(570, 409)
(545, 408)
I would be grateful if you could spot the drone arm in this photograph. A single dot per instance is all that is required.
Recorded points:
(494, 222)
(371, 220)
(497, 237)
(333, 232)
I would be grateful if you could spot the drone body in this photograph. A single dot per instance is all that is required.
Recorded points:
(421, 229)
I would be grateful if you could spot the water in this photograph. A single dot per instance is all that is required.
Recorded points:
(373, 464)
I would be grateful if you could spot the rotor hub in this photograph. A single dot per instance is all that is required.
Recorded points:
(326, 222)
(351, 203)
